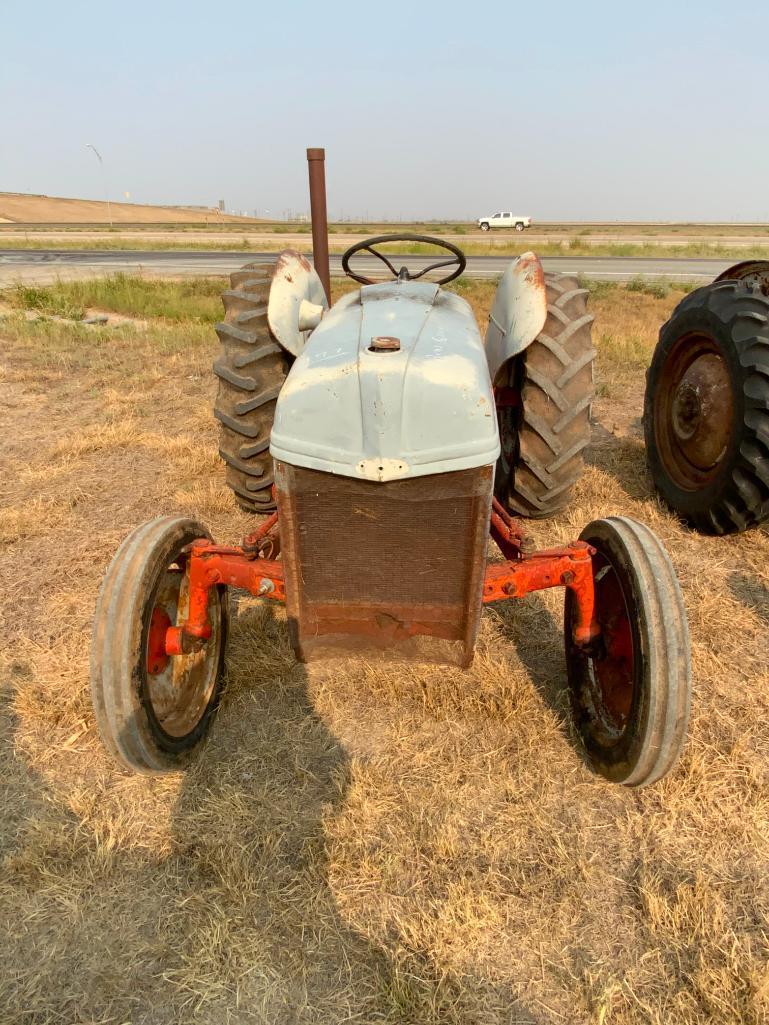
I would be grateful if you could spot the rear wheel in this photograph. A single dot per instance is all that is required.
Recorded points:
(706, 409)
(152, 709)
(544, 433)
(251, 370)
(519, 225)
(631, 693)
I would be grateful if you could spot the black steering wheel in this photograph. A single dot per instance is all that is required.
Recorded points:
(368, 244)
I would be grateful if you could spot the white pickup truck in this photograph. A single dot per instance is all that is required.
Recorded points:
(504, 220)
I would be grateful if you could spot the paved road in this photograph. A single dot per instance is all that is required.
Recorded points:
(47, 264)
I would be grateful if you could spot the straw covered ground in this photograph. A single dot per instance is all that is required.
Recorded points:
(355, 843)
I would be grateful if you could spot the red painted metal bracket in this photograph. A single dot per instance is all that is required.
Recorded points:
(264, 542)
(210, 565)
(509, 537)
(527, 571)
(570, 567)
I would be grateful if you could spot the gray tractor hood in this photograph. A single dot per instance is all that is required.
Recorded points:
(424, 407)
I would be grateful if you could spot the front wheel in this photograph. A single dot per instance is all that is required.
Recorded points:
(485, 226)
(631, 693)
(152, 709)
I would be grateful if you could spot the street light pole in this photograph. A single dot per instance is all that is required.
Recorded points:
(88, 145)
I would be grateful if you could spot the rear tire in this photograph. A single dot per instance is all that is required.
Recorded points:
(631, 695)
(519, 226)
(706, 408)
(251, 370)
(543, 438)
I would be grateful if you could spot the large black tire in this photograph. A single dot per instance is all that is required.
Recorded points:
(251, 370)
(152, 714)
(706, 409)
(631, 694)
(544, 436)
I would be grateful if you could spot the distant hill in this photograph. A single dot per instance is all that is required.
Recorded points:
(21, 208)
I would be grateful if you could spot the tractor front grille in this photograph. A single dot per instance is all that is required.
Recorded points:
(395, 566)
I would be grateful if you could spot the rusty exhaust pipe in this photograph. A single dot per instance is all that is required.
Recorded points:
(316, 165)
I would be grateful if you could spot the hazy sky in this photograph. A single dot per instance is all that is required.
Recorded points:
(559, 110)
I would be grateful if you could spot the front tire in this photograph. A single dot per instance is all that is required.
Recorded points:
(543, 437)
(631, 695)
(485, 226)
(152, 709)
(251, 370)
(706, 408)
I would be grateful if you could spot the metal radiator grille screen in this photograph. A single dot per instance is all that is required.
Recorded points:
(370, 564)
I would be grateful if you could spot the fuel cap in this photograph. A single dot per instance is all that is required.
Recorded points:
(384, 343)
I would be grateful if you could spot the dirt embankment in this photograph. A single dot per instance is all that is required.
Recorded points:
(20, 208)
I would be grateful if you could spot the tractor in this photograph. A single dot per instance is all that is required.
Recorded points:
(706, 408)
(384, 440)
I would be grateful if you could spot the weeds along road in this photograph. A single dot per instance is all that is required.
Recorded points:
(40, 265)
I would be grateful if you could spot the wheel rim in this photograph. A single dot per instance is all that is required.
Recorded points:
(693, 412)
(178, 689)
(610, 682)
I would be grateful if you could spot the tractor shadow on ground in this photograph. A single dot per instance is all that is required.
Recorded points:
(237, 921)
(750, 591)
(537, 635)
(623, 458)
(252, 822)
(43, 970)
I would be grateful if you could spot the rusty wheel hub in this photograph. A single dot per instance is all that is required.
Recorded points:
(180, 688)
(612, 672)
(694, 412)
(698, 411)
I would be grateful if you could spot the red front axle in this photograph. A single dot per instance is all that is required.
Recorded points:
(210, 565)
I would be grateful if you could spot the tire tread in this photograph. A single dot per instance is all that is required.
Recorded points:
(251, 370)
(665, 644)
(556, 387)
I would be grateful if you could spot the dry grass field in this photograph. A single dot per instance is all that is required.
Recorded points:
(356, 843)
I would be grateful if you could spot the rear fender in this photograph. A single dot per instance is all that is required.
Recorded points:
(297, 301)
(519, 311)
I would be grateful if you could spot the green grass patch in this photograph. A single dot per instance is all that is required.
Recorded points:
(623, 350)
(598, 289)
(47, 301)
(51, 345)
(199, 299)
(193, 299)
(660, 288)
